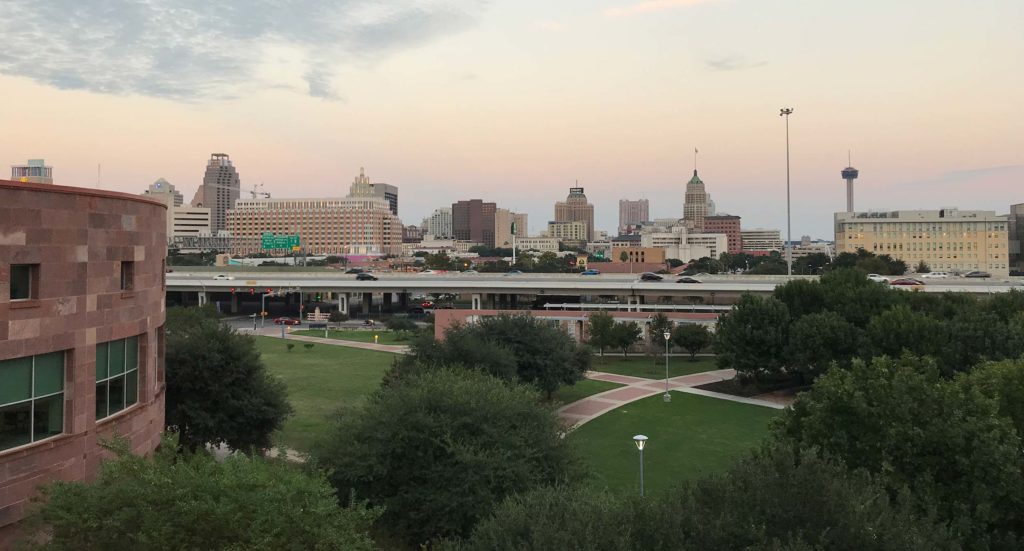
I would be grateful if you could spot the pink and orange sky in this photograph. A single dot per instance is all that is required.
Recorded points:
(512, 101)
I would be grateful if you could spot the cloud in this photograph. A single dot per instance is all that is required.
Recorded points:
(199, 49)
(732, 63)
(649, 6)
(549, 26)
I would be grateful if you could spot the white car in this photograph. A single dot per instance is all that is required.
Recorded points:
(427, 272)
(934, 275)
(222, 277)
(877, 278)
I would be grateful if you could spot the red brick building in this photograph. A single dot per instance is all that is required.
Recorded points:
(81, 334)
(730, 226)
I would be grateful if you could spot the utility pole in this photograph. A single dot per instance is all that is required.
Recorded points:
(787, 111)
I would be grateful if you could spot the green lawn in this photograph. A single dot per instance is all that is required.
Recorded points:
(386, 337)
(320, 380)
(689, 437)
(568, 394)
(651, 368)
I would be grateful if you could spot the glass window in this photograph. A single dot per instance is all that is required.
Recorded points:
(31, 399)
(117, 376)
(22, 278)
(127, 275)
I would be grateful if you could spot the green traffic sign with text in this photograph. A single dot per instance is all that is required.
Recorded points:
(274, 241)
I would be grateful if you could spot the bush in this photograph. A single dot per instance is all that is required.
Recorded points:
(337, 316)
(439, 449)
(308, 346)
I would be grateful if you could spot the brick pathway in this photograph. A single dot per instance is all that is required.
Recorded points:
(582, 411)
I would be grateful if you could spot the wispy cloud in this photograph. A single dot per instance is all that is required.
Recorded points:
(648, 6)
(195, 49)
(732, 63)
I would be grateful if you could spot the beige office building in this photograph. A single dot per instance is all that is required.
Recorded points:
(350, 225)
(947, 240)
(503, 221)
(575, 208)
(540, 244)
(568, 231)
(761, 241)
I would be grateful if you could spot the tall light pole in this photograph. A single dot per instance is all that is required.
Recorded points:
(787, 111)
(641, 441)
(668, 336)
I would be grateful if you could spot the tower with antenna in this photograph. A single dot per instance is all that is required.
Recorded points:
(849, 174)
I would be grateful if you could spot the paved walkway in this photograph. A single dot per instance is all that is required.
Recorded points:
(276, 333)
(636, 388)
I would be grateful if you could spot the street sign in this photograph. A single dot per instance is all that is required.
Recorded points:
(274, 241)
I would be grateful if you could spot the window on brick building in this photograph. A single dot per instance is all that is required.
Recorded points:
(31, 399)
(24, 281)
(127, 275)
(117, 376)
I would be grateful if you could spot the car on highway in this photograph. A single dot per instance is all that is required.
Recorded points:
(363, 276)
(907, 281)
(513, 273)
(354, 271)
(933, 275)
(284, 320)
(223, 277)
(591, 272)
(427, 304)
(687, 279)
(427, 272)
(977, 274)
(877, 278)
(650, 276)
(470, 272)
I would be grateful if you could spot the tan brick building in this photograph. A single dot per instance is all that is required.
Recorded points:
(81, 334)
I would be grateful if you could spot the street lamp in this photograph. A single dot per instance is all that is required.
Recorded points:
(668, 336)
(787, 111)
(641, 441)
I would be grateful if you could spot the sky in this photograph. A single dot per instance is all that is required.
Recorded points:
(513, 101)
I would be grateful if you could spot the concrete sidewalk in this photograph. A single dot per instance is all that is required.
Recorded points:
(276, 333)
(636, 388)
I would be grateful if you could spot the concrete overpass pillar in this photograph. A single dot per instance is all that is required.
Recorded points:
(203, 298)
(234, 303)
(513, 301)
(387, 301)
(343, 303)
(367, 304)
(476, 302)
(494, 301)
(403, 300)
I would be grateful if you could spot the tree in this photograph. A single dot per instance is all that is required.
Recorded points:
(816, 341)
(752, 337)
(853, 296)
(922, 268)
(899, 329)
(692, 337)
(337, 316)
(1004, 382)
(218, 389)
(674, 262)
(600, 326)
(400, 325)
(625, 334)
(900, 421)
(439, 449)
(193, 501)
(623, 256)
(658, 325)
(801, 297)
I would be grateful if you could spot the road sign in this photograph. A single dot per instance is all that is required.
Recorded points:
(295, 247)
(274, 241)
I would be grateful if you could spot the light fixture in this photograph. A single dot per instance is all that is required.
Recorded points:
(640, 441)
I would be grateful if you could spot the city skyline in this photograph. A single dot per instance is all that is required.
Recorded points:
(507, 101)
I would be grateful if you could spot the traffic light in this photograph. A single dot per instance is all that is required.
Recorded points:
(232, 290)
(318, 297)
(268, 290)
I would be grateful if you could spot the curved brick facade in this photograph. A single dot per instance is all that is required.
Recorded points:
(74, 242)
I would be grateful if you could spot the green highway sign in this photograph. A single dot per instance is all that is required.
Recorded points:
(274, 241)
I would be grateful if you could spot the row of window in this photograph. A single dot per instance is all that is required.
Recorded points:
(32, 390)
(25, 280)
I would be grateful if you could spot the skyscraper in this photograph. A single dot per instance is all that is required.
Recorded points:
(730, 226)
(503, 221)
(219, 191)
(850, 174)
(632, 213)
(162, 188)
(576, 208)
(473, 220)
(439, 223)
(361, 187)
(695, 205)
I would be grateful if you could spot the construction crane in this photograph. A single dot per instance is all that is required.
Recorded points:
(256, 192)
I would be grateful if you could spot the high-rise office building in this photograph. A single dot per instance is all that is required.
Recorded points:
(361, 187)
(948, 240)
(576, 208)
(503, 223)
(759, 241)
(730, 226)
(34, 171)
(219, 191)
(632, 213)
(568, 231)
(473, 220)
(695, 205)
(182, 221)
(161, 188)
(439, 223)
(1015, 230)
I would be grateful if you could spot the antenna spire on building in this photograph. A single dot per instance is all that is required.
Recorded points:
(695, 160)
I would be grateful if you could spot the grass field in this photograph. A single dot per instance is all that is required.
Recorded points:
(359, 335)
(320, 380)
(689, 437)
(642, 366)
(587, 387)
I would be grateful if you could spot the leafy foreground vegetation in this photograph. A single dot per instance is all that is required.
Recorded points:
(690, 437)
(319, 381)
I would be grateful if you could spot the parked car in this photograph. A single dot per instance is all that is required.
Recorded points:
(354, 271)
(286, 321)
(650, 276)
(933, 275)
(513, 273)
(977, 273)
(427, 272)
(591, 272)
(223, 277)
(907, 281)
(877, 278)
(363, 276)
(687, 279)
(427, 304)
